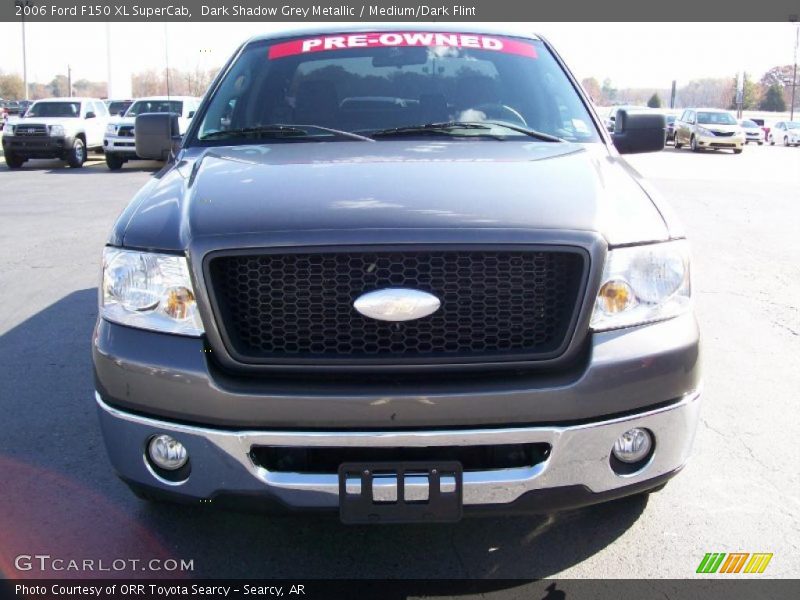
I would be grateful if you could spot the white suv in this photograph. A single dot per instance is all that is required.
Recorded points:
(65, 128)
(119, 143)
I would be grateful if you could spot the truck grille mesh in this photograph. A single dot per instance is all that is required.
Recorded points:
(300, 306)
(25, 130)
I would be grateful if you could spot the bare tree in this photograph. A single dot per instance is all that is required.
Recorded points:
(592, 87)
(11, 86)
(181, 83)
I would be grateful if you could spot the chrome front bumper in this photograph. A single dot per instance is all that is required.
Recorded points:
(711, 141)
(120, 145)
(221, 463)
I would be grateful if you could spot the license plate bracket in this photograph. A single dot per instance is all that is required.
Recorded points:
(401, 492)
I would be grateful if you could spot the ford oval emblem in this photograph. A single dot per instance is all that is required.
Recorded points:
(397, 304)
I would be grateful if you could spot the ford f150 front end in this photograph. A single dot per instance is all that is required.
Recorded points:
(402, 275)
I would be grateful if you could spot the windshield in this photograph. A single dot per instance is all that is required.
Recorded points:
(369, 83)
(54, 109)
(793, 125)
(118, 107)
(749, 124)
(715, 118)
(141, 107)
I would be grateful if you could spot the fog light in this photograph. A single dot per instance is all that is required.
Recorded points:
(167, 453)
(633, 445)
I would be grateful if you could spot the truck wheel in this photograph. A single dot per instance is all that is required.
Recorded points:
(13, 161)
(737, 150)
(77, 156)
(693, 145)
(678, 145)
(114, 161)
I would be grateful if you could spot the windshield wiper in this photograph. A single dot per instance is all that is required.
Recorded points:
(539, 135)
(450, 127)
(279, 130)
(445, 128)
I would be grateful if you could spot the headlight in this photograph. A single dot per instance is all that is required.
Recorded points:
(642, 284)
(111, 128)
(704, 131)
(9, 129)
(149, 291)
(57, 130)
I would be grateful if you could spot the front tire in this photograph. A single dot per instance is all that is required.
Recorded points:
(737, 150)
(77, 155)
(114, 161)
(693, 145)
(678, 145)
(13, 161)
(786, 141)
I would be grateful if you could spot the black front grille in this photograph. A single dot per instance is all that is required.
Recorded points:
(722, 133)
(30, 130)
(321, 459)
(494, 304)
(125, 131)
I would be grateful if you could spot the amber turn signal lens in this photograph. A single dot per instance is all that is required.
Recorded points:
(179, 302)
(615, 296)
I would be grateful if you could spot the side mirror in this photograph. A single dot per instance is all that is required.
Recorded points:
(156, 134)
(639, 132)
(121, 113)
(190, 115)
(90, 115)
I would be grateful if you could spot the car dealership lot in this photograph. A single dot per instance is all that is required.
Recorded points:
(739, 493)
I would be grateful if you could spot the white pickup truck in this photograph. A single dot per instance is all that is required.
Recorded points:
(119, 143)
(64, 128)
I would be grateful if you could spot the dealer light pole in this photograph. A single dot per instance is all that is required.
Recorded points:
(794, 72)
(24, 4)
(108, 60)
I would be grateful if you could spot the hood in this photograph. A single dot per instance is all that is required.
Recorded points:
(717, 128)
(66, 122)
(122, 121)
(292, 187)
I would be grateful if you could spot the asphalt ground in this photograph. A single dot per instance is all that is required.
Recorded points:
(739, 493)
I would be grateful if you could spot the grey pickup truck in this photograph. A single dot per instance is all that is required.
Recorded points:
(402, 275)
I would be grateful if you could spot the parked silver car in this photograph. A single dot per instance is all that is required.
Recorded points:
(752, 132)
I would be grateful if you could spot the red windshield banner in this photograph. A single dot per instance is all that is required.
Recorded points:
(401, 39)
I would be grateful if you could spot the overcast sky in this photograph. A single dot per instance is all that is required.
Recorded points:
(631, 54)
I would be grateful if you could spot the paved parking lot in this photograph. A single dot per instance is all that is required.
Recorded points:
(740, 492)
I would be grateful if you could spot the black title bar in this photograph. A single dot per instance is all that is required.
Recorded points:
(732, 588)
(396, 10)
